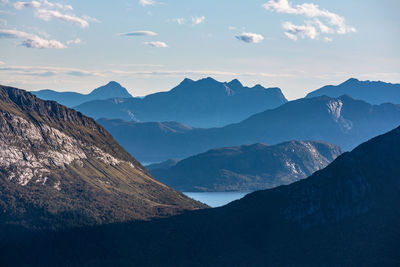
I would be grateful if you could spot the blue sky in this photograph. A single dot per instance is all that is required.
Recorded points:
(151, 45)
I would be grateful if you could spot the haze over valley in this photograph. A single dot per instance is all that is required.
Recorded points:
(199, 133)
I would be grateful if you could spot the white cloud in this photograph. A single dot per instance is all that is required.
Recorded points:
(21, 5)
(40, 4)
(156, 44)
(64, 7)
(90, 19)
(76, 41)
(311, 11)
(48, 11)
(198, 20)
(147, 2)
(295, 31)
(46, 71)
(192, 20)
(48, 15)
(4, 2)
(249, 37)
(327, 39)
(232, 28)
(138, 33)
(31, 40)
(322, 27)
(2, 63)
(180, 21)
(19, 73)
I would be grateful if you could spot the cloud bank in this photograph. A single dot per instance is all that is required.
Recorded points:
(333, 23)
(31, 40)
(48, 11)
(48, 15)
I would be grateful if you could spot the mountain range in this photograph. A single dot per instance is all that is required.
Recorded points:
(204, 103)
(346, 214)
(60, 169)
(72, 99)
(246, 168)
(342, 121)
(374, 92)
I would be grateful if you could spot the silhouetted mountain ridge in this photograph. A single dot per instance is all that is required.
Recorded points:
(374, 92)
(72, 99)
(202, 103)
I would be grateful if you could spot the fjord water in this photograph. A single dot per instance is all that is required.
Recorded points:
(216, 199)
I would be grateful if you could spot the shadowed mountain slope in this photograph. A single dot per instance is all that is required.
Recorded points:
(344, 215)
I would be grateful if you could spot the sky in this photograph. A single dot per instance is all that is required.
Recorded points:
(152, 45)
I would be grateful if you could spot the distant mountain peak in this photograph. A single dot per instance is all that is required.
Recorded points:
(72, 99)
(112, 89)
(374, 92)
(207, 80)
(114, 84)
(235, 83)
(351, 80)
(186, 80)
(259, 87)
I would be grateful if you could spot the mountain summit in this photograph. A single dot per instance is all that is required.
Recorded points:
(72, 99)
(374, 92)
(59, 169)
(203, 103)
(110, 90)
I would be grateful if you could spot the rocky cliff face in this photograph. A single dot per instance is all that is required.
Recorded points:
(59, 168)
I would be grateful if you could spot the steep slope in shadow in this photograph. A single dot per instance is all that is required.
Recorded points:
(344, 215)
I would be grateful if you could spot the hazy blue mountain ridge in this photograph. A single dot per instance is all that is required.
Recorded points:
(72, 99)
(374, 92)
(203, 103)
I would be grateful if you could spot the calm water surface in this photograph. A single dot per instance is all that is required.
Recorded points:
(216, 199)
